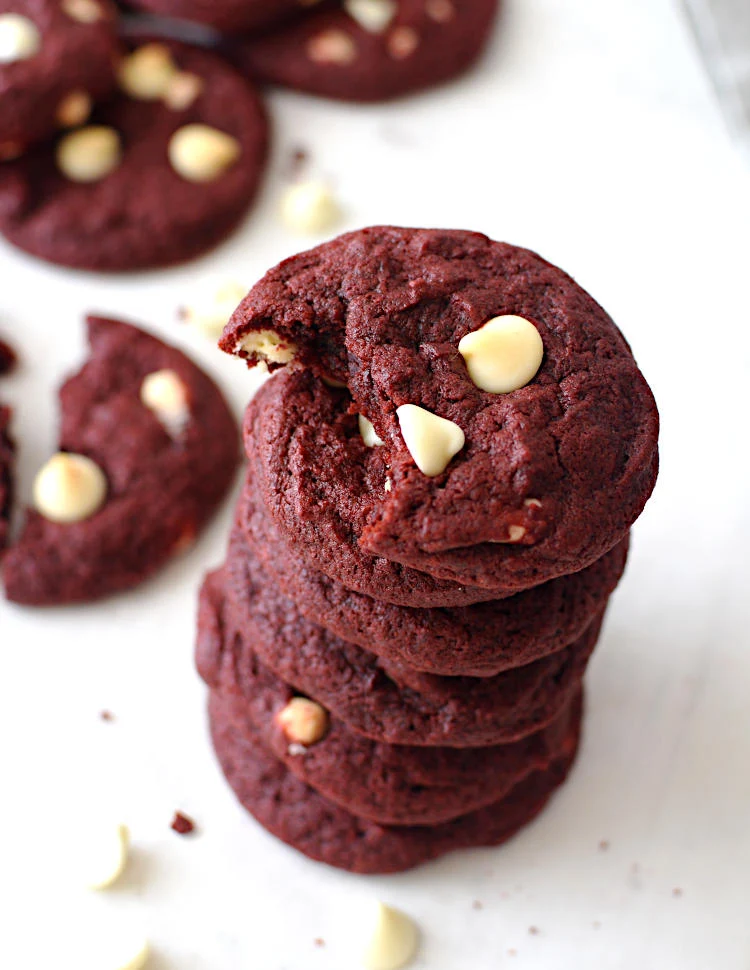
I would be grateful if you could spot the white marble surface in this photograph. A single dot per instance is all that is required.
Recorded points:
(591, 135)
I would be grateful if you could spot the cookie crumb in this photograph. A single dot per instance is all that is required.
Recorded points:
(534, 931)
(677, 892)
(318, 941)
(512, 953)
(298, 158)
(604, 845)
(596, 924)
(8, 358)
(182, 825)
(477, 904)
(107, 716)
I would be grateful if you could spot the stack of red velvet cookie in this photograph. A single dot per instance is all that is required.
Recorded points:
(440, 486)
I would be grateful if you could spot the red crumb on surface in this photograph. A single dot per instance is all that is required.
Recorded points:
(106, 716)
(319, 941)
(182, 824)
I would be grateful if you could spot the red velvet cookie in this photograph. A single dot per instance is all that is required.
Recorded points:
(500, 486)
(160, 175)
(57, 59)
(386, 783)
(155, 436)
(362, 50)
(243, 619)
(6, 474)
(230, 16)
(299, 816)
(474, 641)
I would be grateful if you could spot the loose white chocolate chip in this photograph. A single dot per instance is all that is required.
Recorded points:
(332, 47)
(19, 38)
(368, 432)
(105, 856)
(84, 11)
(303, 721)
(394, 940)
(146, 73)
(183, 89)
(69, 488)
(200, 153)
(164, 393)
(309, 207)
(374, 16)
(269, 346)
(210, 315)
(441, 11)
(402, 42)
(74, 109)
(432, 441)
(89, 154)
(503, 355)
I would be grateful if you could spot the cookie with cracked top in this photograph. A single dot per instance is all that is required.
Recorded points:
(364, 51)
(474, 641)
(243, 618)
(160, 175)
(317, 827)
(59, 58)
(168, 461)
(6, 474)
(532, 482)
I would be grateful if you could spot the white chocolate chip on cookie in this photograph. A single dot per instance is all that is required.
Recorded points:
(104, 855)
(89, 154)
(146, 73)
(309, 207)
(441, 11)
(182, 90)
(303, 721)
(19, 38)
(368, 432)
(74, 109)
(432, 441)
(164, 393)
(200, 153)
(69, 488)
(84, 11)
(402, 42)
(268, 346)
(393, 942)
(332, 46)
(374, 16)
(503, 355)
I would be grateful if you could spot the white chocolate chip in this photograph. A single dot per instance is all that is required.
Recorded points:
(388, 485)
(503, 355)
(309, 207)
(532, 503)
(74, 109)
(84, 11)
(118, 949)
(200, 153)
(441, 11)
(104, 854)
(269, 346)
(164, 393)
(432, 441)
(393, 942)
(183, 89)
(296, 750)
(19, 38)
(332, 46)
(402, 42)
(69, 488)
(303, 721)
(210, 315)
(368, 432)
(374, 16)
(89, 154)
(146, 73)
(516, 533)
(332, 382)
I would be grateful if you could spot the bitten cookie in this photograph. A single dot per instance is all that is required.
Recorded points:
(6, 474)
(148, 449)
(57, 59)
(473, 641)
(509, 436)
(299, 816)
(372, 50)
(158, 176)
(230, 16)
(243, 619)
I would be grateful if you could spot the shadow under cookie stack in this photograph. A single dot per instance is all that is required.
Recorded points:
(441, 480)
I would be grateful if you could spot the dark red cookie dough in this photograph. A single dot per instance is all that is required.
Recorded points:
(473, 641)
(383, 310)
(162, 489)
(226, 15)
(396, 784)
(77, 55)
(299, 816)
(329, 53)
(6, 474)
(243, 618)
(143, 213)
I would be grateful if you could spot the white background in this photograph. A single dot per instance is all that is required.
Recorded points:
(591, 135)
